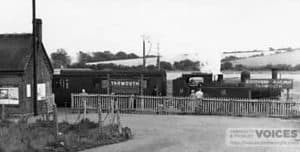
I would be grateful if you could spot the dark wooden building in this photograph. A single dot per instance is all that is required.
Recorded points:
(67, 81)
(16, 72)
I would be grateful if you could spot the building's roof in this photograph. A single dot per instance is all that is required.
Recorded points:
(15, 52)
(92, 72)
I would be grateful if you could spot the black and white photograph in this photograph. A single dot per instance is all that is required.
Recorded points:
(149, 76)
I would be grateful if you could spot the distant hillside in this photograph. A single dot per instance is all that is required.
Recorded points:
(287, 58)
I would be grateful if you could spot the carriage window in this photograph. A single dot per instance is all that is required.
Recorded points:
(62, 83)
(67, 84)
(194, 81)
(57, 85)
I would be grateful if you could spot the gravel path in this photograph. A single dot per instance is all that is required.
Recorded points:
(174, 133)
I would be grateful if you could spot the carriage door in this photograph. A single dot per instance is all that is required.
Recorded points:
(97, 86)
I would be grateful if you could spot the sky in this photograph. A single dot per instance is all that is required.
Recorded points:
(205, 27)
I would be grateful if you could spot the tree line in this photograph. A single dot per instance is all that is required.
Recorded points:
(60, 58)
(240, 67)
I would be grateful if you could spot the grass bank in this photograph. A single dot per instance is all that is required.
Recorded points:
(40, 136)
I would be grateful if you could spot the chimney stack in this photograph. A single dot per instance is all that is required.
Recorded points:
(274, 73)
(245, 75)
(38, 29)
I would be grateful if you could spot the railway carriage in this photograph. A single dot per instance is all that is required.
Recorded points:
(142, 82)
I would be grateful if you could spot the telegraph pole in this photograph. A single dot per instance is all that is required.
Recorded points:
(144, 52)
(34, 54)
(158, 57)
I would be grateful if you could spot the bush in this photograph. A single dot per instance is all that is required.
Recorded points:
(229, 58)
(240, 67)
(187, 65)
(297, 67)
(226, 66)
(166, 65)
(40, 137)
(25, 137)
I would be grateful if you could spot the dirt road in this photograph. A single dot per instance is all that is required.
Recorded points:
(173, 133)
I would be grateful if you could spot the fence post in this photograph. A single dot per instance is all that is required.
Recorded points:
(142, 103)
(72, 101)
(55, 121)
(84, 109)
(100, 119)
(231, 107)
(112, 109)
(130, 104)
(268, 108)
(119, 121)
(3, 112)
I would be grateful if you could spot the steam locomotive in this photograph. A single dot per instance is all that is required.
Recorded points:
(243, 88)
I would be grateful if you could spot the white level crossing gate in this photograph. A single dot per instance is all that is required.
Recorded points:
(127, 103)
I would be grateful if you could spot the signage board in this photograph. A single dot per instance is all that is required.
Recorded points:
(270, 83)
(9, 95)
(125, 83)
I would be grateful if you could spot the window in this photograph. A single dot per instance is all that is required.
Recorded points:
(28, 90)
(62, 83)
(41, 91)
(67, 84)
(56, 82)
(9, 95)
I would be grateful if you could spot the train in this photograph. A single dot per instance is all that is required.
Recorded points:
(154, 83)
(245, 87)
(140, 82)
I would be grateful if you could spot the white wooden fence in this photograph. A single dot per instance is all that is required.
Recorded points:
(187, 105)
(135, 103)
(246, 107)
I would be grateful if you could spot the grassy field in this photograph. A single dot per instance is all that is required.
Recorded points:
(174, 133)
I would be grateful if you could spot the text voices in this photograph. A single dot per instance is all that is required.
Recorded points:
(279, 133)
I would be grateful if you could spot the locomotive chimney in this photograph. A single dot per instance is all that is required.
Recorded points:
(220, 77)
(274, 73)
(245, 75)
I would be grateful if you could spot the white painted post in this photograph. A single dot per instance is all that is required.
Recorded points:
(131, 102)
(119, 121)
(142, 102)
(100, 119)
(112, 109)
(55, 121)
(84, 108)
